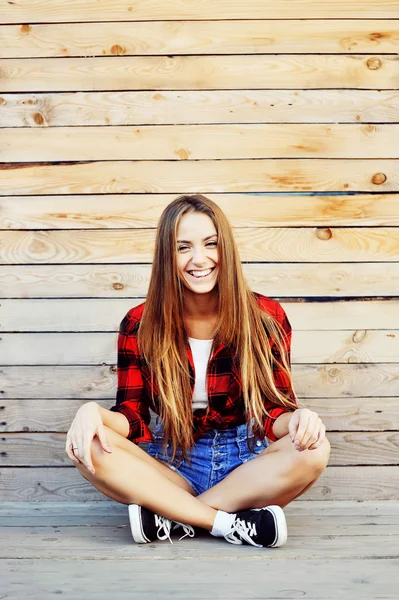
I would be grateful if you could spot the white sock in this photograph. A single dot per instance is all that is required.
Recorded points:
(223, 523)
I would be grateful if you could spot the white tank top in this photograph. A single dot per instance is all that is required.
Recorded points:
(201, 350)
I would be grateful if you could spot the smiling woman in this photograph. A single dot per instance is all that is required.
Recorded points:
(212, 359)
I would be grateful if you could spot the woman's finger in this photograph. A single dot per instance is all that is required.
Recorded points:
(312, 433)
(103, 438)
(304, 417)
(320, 440)
(69, 451)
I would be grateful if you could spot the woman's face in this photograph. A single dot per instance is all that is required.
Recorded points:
(197, 252)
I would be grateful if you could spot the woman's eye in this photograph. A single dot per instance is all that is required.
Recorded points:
(212, 244)
(182, 248)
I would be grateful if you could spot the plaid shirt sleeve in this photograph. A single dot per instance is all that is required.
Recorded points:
(131, 399)
(281, 379)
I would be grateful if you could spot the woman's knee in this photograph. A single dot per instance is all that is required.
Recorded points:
(317, 459)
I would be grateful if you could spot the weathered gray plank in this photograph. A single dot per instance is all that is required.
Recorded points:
(346, 518)
(339, 414)
(99, 382)
(221, 579)
(60, 484)
(347, 448)
(98, 542)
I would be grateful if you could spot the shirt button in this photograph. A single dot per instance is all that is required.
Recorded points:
(211, 389)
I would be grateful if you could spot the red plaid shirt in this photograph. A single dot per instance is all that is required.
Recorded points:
(225, 398)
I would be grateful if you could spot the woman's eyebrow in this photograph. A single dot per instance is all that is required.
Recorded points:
(204, 240)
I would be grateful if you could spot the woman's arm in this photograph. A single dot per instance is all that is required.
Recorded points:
(115, 420)
(280, 425)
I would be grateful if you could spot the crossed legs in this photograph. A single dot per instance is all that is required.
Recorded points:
(131, 476)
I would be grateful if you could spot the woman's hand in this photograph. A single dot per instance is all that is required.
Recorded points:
(86, 424)
(306, 429)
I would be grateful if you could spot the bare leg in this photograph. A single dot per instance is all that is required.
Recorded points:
(131, 476)
(277, 476)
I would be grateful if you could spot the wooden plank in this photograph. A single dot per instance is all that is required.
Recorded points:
(202, 37)
(114, 211)
(95, 542)
(347, 518)
(205, 106)
(204, 176)
(99, 382)
(200, 72)
(285, 244)
(316, 579)
(316, 280)
(194, 142)
(299, 513)
(346, 414)
(58, 484)
(88, 348)
(149, 10)
(97, 314)
(347, 449)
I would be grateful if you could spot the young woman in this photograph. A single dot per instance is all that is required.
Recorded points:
(212, 359)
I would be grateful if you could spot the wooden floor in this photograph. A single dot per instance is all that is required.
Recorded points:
(335, 550)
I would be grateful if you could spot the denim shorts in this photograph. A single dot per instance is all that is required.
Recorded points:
(214, 455)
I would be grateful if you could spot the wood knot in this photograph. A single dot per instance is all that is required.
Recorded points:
(38, 119)
(116, 49)
(2, 101)
(324, 233)
(25, 28)
(183, 154)
(359, 336)
(374, 64)
(375, 36)
(117, 286)
(113, 369)
(379, 178)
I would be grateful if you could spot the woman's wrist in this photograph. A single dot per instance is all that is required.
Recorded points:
(280, 425)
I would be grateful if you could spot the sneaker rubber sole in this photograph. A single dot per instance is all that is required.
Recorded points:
(280, 523)
(136, 524)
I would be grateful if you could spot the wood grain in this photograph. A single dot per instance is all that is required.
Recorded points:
(317, 280)
(350, 346)
(338, 414)
(347, 449)
(99, 381)
(203, 106)
(293, 245)
(200, 72)
(36, 11)
(98, 314)
(59, 484)
(204, 176)
(261, 210)
(202, 37)
(194, 142)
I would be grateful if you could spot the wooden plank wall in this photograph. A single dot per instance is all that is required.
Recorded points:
(286, 114)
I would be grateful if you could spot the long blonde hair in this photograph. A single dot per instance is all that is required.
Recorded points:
(242, 325)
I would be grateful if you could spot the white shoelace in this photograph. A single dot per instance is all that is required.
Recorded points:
(166, 525)
(163, 524)
(244, 529)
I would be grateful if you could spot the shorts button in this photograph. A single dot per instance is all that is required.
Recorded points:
(258, 443)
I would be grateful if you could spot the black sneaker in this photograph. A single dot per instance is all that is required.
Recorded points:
(262, 527)
(147, 526)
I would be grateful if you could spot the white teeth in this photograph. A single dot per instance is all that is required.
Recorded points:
(201, 274)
